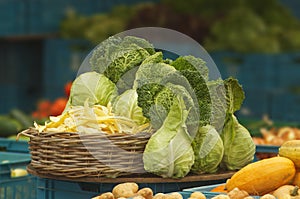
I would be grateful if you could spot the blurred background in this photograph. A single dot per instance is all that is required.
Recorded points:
(43, 42)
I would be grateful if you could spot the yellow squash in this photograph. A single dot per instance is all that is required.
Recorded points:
(264, 176)
(291, 149)
(296, 180)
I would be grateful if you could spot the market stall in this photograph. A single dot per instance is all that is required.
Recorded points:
(149, 113)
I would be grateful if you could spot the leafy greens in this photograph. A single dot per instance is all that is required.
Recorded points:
(126, 105)
(208, 149)
(196, 129)
(117, 56)
(168, 152)
(239, 146)
(92, 86)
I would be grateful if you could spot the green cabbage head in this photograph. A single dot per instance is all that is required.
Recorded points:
(169, 153)
(208, 149)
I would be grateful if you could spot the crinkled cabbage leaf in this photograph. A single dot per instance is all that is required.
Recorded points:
(163, 102)
(156, 85)
(219, 103)
(196, 72)
(208, 149)
(117, 58)
(169, 153)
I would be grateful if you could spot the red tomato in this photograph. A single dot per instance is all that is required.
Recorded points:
(35, 114)
(68, 88)
(58, 106)
(44, 105)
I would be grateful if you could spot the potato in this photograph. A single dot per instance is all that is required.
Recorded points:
(126, 190)
(159, 196)
(138, 197)
(146, 192)
(268, 196)
(249, 197)
(107, 195)
(236, 193)
(197, 195)
(175, 195)
(221, 196)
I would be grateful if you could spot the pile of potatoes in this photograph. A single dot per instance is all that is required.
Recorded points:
(131, 190)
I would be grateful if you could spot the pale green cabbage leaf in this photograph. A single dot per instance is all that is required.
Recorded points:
(93, 86)
(208, 149)
(126, 105)
(169, 153)
(239, 146)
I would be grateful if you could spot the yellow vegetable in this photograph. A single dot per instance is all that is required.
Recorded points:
(126, 190)
(264, 176)
(107, 195)
(296, 180)
(268, 196)
(197, 195)
(291, 149)
(287, 192)
(15, 173)
(236, 193)
(147, 193)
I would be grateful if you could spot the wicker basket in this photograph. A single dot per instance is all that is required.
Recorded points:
(72, 155)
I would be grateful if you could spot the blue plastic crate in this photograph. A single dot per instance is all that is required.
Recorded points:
(265, 151)
(50, 188)
(206, 190)
(208, 195)
(267, 148)
(18, 187)
(12, 17)
(285, 106)
(10, 160)
(10, 145)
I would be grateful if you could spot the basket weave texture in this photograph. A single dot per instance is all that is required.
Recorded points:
(73, 155)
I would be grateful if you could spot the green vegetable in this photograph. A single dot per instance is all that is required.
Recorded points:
(168, 152)
(92, 86)
(155, 58)
(239, 147)
(19, 115)
(157, 84)
(218, 103)
(117, 58)
(163, 102)
(126, 105)
(196, 72)
(9, 126)
(208, 149)
(149, 82)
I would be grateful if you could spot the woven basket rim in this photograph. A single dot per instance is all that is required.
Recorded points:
(32, 132)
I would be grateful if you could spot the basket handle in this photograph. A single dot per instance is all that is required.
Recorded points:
(25, 133)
